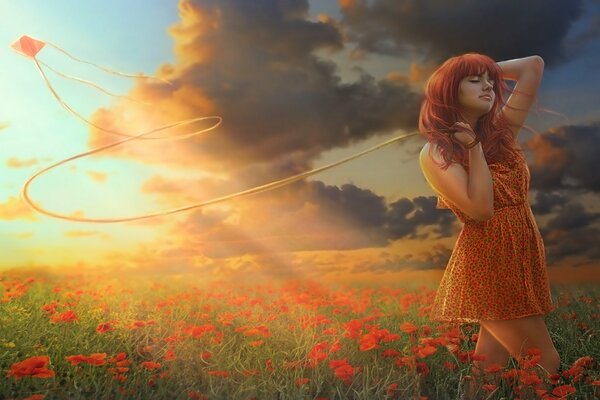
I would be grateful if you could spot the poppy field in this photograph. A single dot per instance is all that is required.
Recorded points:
(77, 336)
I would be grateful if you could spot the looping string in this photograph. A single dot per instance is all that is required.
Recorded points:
(29, 47)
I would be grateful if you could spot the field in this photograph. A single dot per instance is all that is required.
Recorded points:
(179, 337)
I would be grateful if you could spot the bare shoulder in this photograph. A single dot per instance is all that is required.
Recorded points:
(430, 152)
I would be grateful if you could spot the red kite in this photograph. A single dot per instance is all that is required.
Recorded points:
(28, 46)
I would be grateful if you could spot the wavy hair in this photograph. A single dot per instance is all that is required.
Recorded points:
(440, 110)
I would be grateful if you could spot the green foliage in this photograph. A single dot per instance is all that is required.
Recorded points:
(261, 336)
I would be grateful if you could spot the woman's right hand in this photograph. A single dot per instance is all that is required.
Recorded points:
(463, 133)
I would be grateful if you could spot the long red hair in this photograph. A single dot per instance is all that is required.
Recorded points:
(440, 110)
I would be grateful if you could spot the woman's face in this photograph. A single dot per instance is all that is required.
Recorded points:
(475, 94)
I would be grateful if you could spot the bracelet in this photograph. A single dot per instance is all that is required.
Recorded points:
(472, 144)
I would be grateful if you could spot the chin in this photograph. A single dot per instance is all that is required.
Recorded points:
(485, 111)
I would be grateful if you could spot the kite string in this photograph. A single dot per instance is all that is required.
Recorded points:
(82, 118)
(254, 190)
(92, 84)
(109, 70)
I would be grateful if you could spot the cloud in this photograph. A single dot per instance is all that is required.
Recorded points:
(417, 74)
(253, 63)
(546, 201)
(14, 208)
(571, 232)
(588, 34)
(566, 158)
(572, 217)
(406, 217)
(311, 216)
(436, 29)
(80, 233)
(97, 176)
(582, 244)
(436, 258)
(16, 163)
(564, 167)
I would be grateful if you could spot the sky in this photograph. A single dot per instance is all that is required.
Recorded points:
(298, 85)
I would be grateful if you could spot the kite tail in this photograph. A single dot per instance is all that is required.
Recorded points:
(563, 116)
(92, 84)
(109, 70)
(67, 107)
(114, 132)
(254, 190)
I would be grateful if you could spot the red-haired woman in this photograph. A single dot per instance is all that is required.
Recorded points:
(496, 275)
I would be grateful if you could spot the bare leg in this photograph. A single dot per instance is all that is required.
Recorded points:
(495, 354)
(518, 335)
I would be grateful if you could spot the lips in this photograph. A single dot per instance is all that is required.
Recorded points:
(486, 97)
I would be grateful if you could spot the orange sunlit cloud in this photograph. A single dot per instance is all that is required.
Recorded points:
(416, 76)
(14, 162)
(97, 176)
(283, 108)
(546, 153)
(347, 3)
(79, 233)
(173, 191)
(14, 208)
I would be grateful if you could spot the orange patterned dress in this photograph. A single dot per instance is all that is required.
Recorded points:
(497, 270)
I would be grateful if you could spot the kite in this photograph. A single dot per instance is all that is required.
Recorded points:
(30, 47)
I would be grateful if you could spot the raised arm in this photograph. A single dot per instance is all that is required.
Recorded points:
(528, 72)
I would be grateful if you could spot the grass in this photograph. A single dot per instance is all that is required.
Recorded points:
(99, 337)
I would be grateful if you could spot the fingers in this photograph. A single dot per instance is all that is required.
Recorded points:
(463, 126)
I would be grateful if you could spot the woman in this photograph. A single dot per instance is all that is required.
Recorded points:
(496, 275)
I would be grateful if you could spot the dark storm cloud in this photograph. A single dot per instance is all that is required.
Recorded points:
(582, 243)
(439, 29)
(436, 258)
(314, 217)
(564, 165)
(571, 218)
(401, 219)
(405, 216)
(275, 96)
(566, 158)
(571, 232)
(546, 201)
(579, 42)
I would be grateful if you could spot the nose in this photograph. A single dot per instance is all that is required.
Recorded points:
(488, 86)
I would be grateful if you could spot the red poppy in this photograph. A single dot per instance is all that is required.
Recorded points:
(224, 374)
(35, 397)
(248, 372)
(492, 369)
(563, 390)
(391, 389)
(425, 351)
(104, 327)
(50, 308)
(92, 359)
(408, 327)
(584, 362)
(35, 366)
(67, 316)
(151, 365)
(301, 381)
(269, 364)
(169, 355)
(390, 353)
